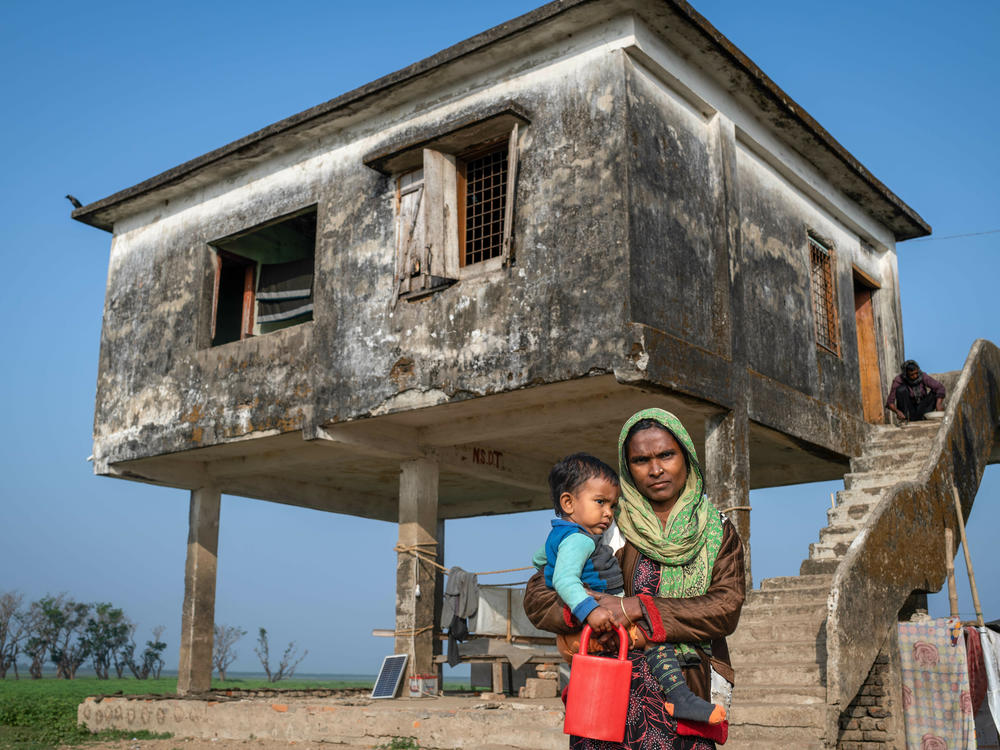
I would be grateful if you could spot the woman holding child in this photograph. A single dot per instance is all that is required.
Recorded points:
(682, 564)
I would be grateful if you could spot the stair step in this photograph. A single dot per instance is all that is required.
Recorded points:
(834, 535)
(832, 551)
(853, 513)
(750, 737)
(896, 462)
(813, 567)
(786, 716)
(763, 597)
(913, 432)
(780, 694)
(779, 673)
(784, 610)
(749, 652)
(870, 480)
(853, 497)
(787, 582)
(770, 629)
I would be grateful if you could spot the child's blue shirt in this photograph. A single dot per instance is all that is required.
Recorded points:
(574, 558)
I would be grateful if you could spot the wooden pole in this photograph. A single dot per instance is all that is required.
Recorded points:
(949, 564)
(968, 558)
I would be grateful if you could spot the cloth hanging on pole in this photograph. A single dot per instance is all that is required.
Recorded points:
(461, 601)
(990, 641)
(937, 703)
(461, 595)
(977, 667)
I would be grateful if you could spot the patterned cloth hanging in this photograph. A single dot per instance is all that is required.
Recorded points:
(936, 700)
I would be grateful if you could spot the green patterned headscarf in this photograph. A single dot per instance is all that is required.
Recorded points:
(687, 545)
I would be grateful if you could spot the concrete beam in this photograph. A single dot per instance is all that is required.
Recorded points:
(482, 462)
(416, 580)
(563, 415)
(260, 463)
(194, 673)
(477, 460)
(324, 497)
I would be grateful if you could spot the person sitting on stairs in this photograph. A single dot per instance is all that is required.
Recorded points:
(914, 393)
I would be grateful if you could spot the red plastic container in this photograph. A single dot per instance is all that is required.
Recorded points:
(597, 696)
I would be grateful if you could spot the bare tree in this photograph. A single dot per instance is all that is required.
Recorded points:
(42, 626)
(154, 651)
(223, 651)
(151, 660)
(12, 630)
(290, 659)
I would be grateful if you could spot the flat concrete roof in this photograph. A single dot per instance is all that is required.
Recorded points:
(745, 81)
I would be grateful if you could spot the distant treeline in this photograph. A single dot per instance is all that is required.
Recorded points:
(69, 634)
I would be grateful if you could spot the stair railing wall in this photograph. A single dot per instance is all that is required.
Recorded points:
(901, 548)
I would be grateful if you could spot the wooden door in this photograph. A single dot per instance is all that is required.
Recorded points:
(868, 370)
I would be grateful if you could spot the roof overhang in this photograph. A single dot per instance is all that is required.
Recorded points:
(675, 20)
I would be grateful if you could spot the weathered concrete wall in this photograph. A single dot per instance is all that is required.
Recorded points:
(779, 323)
(443, 723)
(635, 204)
(679, 270)
(552, 315)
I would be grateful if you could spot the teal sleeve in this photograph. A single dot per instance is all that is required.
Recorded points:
(574, 551)
(539, 559)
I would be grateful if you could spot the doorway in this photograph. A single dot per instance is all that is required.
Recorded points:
(868, 369)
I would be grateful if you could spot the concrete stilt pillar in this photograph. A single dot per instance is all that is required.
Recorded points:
(439, 584)
(416, 580)
(727, 472)
(194, 674)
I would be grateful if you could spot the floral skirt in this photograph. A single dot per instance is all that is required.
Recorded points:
(648, 726)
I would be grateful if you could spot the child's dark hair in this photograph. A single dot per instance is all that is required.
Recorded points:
(567, 475)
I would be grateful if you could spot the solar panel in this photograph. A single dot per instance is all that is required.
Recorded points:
(389, 676)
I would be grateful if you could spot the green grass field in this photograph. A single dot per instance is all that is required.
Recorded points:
(38, 714)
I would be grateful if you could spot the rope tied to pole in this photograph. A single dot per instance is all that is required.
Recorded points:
(425, 556)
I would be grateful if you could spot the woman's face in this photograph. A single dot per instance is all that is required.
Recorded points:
(656, 463)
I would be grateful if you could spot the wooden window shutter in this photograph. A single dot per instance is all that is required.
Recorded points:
(215, 293)
(508, 221)
(441, 216)
(410, 231)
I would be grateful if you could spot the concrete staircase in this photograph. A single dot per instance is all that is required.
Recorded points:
(891, 455)
(779, 650)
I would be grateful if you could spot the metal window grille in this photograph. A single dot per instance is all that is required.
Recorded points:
(485, 205)
(823, 294)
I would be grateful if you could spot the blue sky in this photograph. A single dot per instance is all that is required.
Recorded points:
(102, 96)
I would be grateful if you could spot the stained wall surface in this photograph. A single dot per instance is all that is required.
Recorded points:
(651, 202)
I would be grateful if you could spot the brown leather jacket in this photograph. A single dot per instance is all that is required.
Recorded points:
(710, 617)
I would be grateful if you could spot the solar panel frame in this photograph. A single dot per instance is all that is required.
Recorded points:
(391, 673)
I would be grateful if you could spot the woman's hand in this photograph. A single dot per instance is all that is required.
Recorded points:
(626, 610)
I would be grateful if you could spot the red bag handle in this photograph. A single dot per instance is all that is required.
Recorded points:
(622, 641)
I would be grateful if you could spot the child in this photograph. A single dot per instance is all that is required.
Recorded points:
(585, 495)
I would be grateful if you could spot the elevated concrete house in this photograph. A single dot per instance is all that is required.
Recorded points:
(407, 302)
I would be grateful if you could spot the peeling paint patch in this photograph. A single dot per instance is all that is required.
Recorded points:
(411, 399)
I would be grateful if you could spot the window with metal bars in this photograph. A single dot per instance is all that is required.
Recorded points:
(823, 295)
(483, 201)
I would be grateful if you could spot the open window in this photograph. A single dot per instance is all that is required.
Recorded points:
(824, 294)
(454, 202)
(264, 278)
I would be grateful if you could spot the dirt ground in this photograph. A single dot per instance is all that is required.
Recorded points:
(192, 744)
